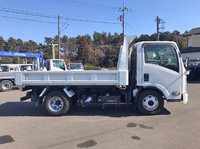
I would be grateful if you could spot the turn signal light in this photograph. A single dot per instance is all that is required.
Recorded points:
(175, 93)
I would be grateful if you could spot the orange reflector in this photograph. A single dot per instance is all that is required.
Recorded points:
(176, 100)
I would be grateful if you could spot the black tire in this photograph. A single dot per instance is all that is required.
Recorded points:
(57, 103)
(6, 85)
(150, 102)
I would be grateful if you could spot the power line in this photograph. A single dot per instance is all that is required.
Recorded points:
(81, 4)
(28, 19)
(65, 27)
(128, 30)
(47, 16)
(65, 23)
(26, 13)
(94, 21)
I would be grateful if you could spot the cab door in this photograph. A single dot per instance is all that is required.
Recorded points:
(162, 69)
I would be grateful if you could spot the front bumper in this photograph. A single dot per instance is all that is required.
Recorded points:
(185, 98)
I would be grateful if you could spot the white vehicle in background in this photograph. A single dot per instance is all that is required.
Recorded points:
(7, 71)
(54, 65)
(75, 66)
(8, 67)
(7, 74)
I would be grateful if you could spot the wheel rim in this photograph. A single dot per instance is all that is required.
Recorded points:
(56, 104)
(150, 103)
(6, 86)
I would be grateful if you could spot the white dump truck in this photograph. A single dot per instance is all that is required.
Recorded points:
(147, 74)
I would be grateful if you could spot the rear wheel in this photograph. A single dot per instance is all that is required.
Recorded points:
(57, 103)
(6, 85)
(150, 102)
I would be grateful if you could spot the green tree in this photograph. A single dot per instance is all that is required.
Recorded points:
(110, 38)
(2, 44)
(64, 39)
(6, 60)
(88, 39)
(98, 38)
(19, 45)
(11, 45)
(47, 52)
(118, 39)
(153, 37)
(48, 40)
(164, 36)
(144, 38)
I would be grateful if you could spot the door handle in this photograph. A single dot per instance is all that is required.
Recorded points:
(146, 77)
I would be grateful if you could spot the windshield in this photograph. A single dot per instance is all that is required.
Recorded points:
(59, 64)
(163, 55)
(26, 68)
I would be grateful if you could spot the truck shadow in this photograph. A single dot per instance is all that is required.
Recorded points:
(21, 109)
(111, 111)
(29, 109)
(15, 88)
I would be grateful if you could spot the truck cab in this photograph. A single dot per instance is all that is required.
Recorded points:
(156, 69)
(55, 65)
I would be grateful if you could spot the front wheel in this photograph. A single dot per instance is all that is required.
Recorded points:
(150, 102)
(57, 103)
(6, 85)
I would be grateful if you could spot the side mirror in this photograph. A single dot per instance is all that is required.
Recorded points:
(187, 62)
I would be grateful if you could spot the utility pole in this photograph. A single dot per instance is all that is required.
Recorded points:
(123, 20)
(122, 17)
(159, 21)
(58, 37)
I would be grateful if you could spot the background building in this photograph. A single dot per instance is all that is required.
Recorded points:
(193, 43)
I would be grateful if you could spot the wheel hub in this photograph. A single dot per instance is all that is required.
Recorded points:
(56, 104)
(6, 86)
(150, 103)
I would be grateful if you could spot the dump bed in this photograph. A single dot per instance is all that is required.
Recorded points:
(117, 77)
(71, 78)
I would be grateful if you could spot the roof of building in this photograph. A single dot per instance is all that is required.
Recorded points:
(193, 31)
(190, 50)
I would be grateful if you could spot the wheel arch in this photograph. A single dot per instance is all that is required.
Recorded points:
(46, 90)
(142, 89)
(12, 80)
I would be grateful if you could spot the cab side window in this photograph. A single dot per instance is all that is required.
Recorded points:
(162, 55)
